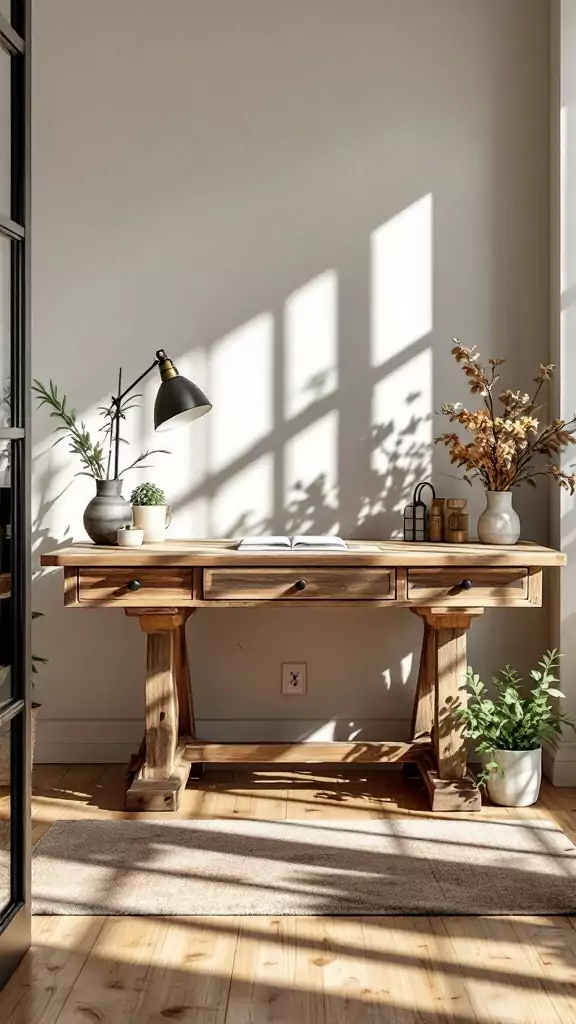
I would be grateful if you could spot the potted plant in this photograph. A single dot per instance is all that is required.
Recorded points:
(150, 511)
(107, 511)
(509, 445)
(509, 731)
(34, 715)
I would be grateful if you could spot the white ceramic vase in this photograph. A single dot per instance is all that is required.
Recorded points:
(130, 538)
(154, 520)
(519, 786)
(498, 523)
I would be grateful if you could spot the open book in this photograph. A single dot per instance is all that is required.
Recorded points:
(324, 543)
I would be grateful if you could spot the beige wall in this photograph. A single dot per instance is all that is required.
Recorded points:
(303, 201)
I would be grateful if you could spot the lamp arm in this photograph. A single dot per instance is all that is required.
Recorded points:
(127, 391)
(116, 402)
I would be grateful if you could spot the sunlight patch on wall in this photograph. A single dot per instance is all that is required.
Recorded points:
(244, 504)
(310, 343)
(324, 734)
(406, 667)
(191, 519)
(240, 389)
(403, 430)
(401, 280)
(311, 477)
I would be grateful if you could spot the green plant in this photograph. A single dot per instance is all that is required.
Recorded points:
(515, 720)
(95, 454)
(147, 494)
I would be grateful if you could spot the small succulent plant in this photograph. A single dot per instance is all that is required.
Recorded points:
(147, 494)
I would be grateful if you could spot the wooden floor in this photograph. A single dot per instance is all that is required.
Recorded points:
(250, 970)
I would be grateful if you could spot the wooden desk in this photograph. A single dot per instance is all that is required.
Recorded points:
(447, 586)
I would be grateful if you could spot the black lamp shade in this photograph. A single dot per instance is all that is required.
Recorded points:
(178, 401)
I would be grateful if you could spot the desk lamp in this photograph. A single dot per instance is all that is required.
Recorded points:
(178, 401)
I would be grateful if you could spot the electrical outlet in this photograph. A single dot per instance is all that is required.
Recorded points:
(294, 678)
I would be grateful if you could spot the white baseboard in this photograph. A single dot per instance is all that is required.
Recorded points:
(112, 741)
(559, 763)
(87, 740)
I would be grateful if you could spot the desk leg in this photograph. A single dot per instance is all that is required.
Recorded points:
(423, 710)
(442, 672)
(187, 726)
(163, 775)
(423, 713)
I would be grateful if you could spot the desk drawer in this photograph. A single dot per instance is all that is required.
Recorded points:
(300, 584)
(465, 586)
(145, 587)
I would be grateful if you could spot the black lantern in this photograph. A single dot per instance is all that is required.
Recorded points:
(416, 518)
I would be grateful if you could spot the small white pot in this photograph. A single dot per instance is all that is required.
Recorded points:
(130, 538)
(520, 784)
(154, 520)
(499, 523)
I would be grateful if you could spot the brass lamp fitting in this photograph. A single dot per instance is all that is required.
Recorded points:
(165, 365)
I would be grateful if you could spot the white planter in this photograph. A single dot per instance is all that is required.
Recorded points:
(499, 523)
(520, 784)
(154, 520)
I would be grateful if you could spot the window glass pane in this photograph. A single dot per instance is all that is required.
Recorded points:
(5, 636)
(4, 338)
(5, 459)
(5, 414)
(5, 835)
(5, 66)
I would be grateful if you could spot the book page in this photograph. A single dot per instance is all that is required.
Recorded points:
(333, 543)
(263, 543)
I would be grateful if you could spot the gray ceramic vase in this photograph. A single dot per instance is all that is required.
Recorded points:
(107, 512)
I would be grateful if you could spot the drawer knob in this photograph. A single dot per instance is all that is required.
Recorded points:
(134, 586)
(466, 585)
(300, 584)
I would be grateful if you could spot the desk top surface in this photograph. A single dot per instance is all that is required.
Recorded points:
(385, 553)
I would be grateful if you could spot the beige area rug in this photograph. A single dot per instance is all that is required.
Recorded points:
(293, 867)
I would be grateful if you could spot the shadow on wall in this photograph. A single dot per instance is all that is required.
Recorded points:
(305, 251)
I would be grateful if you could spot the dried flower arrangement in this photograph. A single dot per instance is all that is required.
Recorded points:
(508, 446)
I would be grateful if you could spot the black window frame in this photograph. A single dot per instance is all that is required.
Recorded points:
(15, 920)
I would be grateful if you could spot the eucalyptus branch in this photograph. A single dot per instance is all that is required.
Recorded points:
(108, 413)
(95, 462)
(90, 452)
(140, 459)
